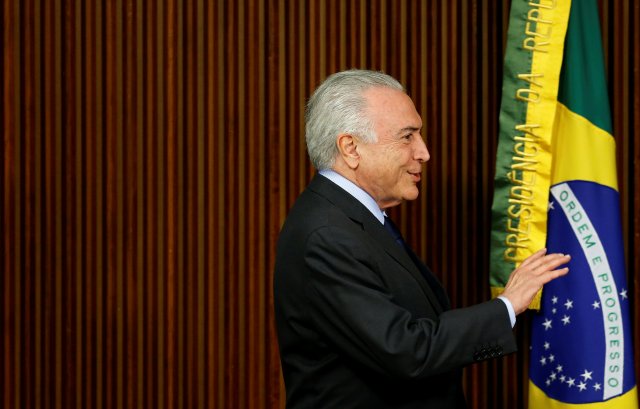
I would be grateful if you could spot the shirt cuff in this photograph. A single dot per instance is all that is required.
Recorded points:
(512, 313)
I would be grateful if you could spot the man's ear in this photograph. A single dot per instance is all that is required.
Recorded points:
(348, 148)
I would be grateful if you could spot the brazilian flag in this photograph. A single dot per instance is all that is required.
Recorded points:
(581, 347)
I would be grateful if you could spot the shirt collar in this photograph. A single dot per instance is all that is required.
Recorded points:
(355, 191)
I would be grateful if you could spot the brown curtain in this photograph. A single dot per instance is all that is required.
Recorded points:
(150, 152)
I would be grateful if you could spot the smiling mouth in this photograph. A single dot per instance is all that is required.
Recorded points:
(416, 176)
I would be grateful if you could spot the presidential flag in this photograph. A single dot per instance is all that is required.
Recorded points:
(533, 59)
(556, 186)
(581, 347)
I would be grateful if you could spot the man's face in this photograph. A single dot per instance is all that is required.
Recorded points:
(390, 169)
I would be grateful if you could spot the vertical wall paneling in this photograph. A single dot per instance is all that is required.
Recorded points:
(150, 153)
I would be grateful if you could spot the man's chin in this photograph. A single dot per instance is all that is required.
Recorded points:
(412, 194)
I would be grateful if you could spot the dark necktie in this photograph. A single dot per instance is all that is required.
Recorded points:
(431, 280)
(395, 232)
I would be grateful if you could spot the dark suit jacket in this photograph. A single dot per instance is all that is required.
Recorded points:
(364, 324)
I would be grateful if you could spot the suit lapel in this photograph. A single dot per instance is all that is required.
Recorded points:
(361, 215)
(379, 233)
(434, 284)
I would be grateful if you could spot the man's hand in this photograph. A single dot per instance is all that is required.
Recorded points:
(526, 280)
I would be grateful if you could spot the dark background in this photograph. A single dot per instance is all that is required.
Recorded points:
(150, 152)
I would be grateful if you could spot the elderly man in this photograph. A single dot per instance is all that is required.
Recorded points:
(362, 322)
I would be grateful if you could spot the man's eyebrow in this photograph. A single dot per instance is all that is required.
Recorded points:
(408, 128)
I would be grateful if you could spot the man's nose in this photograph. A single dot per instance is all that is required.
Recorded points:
(421, 151)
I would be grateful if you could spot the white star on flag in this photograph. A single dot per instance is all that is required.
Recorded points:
(547, 324)
(623, 294)
(547, 345)
(569, 304)
(571, 382)
(554, 300)
(582, 386)
(566, 319)
(597, 386)
(559, 368)
(543, 361)
(551, 206)
(586, 375)
(552, 358)
(596, 305)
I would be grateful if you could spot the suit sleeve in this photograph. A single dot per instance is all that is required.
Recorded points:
(350, 304)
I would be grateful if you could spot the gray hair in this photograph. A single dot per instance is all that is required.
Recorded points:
(338, 106)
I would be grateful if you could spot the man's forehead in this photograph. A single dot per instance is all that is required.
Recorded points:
(394, 107)
(383, 93)
(384, 98)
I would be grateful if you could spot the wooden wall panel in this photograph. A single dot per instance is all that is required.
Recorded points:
(150, 152)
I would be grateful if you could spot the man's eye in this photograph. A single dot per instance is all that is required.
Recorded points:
(408, 136)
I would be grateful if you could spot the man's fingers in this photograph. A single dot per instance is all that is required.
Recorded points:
(528, 278)
(552, 275)
(554, 260)
(545, 263)
(535, 256)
